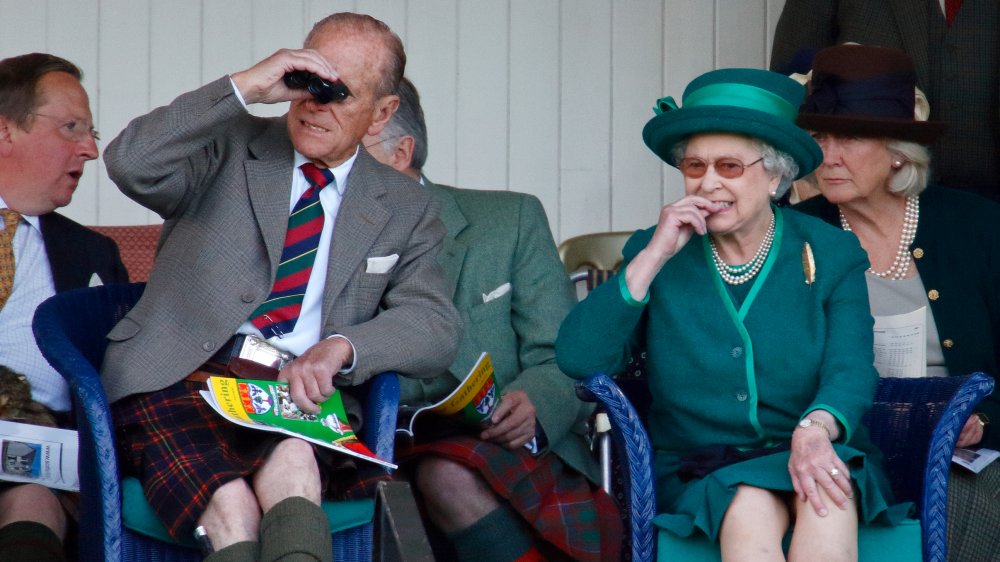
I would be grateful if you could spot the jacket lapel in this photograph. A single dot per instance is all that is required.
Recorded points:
(359, 221)
(453, 251)
(269, 184)
(913, 20)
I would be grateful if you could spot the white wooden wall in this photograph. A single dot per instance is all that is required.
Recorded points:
(543, 96)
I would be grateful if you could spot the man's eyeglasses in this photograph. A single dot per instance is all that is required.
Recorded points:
(73, 129)
(729, 168)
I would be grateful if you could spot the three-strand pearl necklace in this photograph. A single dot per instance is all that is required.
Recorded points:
(901, 265)
(739, 274)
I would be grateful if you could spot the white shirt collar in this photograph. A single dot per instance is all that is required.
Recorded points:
(30, 219)
(340, 173)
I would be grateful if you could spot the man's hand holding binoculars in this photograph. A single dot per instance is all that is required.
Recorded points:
(290, 75)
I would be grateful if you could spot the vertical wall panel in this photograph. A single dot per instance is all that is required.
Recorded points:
(533, 166)
(174, 64)
(737, 48)
(24, 32)
(482, 95)
(585, 105)
(72, 34)
(277, 24)
(636, 79)
(226, 38)
(432, 65)
(123, 48)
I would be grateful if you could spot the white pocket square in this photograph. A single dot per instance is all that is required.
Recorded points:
(95, 281)
(496, 293)
(382, 264)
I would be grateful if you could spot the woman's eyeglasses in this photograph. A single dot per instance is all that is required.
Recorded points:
(729, 168)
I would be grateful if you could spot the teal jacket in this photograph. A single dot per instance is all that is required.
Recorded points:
(725, 374)
(495, 238)
(957, 252)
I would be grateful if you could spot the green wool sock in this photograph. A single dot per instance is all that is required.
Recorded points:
(499, 536)
(28, 541)
(245, 551)
(295, 530)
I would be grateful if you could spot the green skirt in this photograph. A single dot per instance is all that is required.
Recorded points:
(701, 504)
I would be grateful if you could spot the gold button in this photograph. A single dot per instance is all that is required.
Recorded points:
(933, 294)
(948, 343)
(918, 253)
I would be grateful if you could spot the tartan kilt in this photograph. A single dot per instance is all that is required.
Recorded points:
(559, 503)
(182, 451)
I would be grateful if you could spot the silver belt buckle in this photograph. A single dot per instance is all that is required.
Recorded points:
(259, 351)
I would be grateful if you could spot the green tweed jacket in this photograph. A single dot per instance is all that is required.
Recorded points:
(498, 238)
(957, 252)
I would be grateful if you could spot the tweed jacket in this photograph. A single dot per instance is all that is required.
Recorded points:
(957, 253)
(221, 179)
(497, 239)
(956, 66)
(77, 253)
(722, 372)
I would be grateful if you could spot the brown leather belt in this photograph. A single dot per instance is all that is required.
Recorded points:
(227, 363)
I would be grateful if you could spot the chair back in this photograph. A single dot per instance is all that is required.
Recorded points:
(599, 251)
(137, 246)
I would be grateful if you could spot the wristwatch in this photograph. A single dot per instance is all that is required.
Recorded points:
(809, 422)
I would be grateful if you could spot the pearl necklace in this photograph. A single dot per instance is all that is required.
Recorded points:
(739, 274)
(901, 265)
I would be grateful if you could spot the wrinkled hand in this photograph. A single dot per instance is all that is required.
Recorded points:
(262, 83)
(310, 376)
(513, 422)
(810, 463)
(679, 221)
(972, 432)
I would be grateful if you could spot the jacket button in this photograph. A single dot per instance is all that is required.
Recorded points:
(741, 396)
(948, 343)
(933, 294)
(737, 352)
(208, 346)
(918, 253)
(247, 297)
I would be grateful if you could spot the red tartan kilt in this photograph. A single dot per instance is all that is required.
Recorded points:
(183, 451)
(559, 503)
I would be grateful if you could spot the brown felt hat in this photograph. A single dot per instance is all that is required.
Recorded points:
(865, 91)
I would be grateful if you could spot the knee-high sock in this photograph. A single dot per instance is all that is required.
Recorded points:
(500, 536)
(29, 541)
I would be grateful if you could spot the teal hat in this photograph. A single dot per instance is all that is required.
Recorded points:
(746, 101)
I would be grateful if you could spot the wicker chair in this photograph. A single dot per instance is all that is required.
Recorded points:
(914, 421)
(70, 329)
(137, 245)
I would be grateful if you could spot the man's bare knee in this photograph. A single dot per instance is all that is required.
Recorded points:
(272, 483)
(32, 502)
(455, 495)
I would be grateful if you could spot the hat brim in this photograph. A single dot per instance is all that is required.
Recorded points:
(664, 131)
(921, 132)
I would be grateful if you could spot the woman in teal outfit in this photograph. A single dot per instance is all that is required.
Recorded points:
(751, 435)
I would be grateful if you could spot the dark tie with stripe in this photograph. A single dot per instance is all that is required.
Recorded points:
(278, 314)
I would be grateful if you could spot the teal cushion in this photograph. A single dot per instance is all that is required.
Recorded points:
(901, 543)
(138, 516)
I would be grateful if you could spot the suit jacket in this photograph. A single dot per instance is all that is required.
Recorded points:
(77, 253)
(221, 179)
(956, 68)
(498, 238)
(957, 253)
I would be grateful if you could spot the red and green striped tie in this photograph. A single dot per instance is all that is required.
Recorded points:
(278, 314)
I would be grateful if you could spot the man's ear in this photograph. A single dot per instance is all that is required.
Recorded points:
(384, 108)
(402, 155)
(6, 141)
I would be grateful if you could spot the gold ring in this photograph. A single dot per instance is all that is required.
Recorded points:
(834, 472)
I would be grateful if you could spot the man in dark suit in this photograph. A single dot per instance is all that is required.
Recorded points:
(512, 292)
(374, 297)
(955, 47)
(46, 137)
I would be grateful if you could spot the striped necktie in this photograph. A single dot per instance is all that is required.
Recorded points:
(10, 222)
(278, 314)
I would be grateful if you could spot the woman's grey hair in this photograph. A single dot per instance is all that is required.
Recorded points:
(911, 178)
(776, 163)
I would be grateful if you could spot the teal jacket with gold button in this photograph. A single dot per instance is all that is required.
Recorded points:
(957, 252)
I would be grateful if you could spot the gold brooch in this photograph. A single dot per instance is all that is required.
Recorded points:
(808, 264)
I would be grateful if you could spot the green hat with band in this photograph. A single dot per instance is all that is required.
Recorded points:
(745, 101)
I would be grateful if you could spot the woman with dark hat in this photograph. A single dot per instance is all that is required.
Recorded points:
(751, 435)
(934, 252)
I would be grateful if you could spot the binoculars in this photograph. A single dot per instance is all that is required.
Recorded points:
(321, 90)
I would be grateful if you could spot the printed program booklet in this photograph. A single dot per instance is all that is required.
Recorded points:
(470, 405)
(974, 459)
(39, 455)
(268, 406)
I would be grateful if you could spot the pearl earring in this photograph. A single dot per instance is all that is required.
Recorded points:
(897, 164)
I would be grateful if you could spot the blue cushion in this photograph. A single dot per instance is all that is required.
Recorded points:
(138, 516)
(901, 543)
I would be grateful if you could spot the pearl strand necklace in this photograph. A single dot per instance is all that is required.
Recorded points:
(901, 265)
(739, 274)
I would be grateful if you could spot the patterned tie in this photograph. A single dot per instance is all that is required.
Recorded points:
(278, 314)
(950, 9)
(10, 222)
